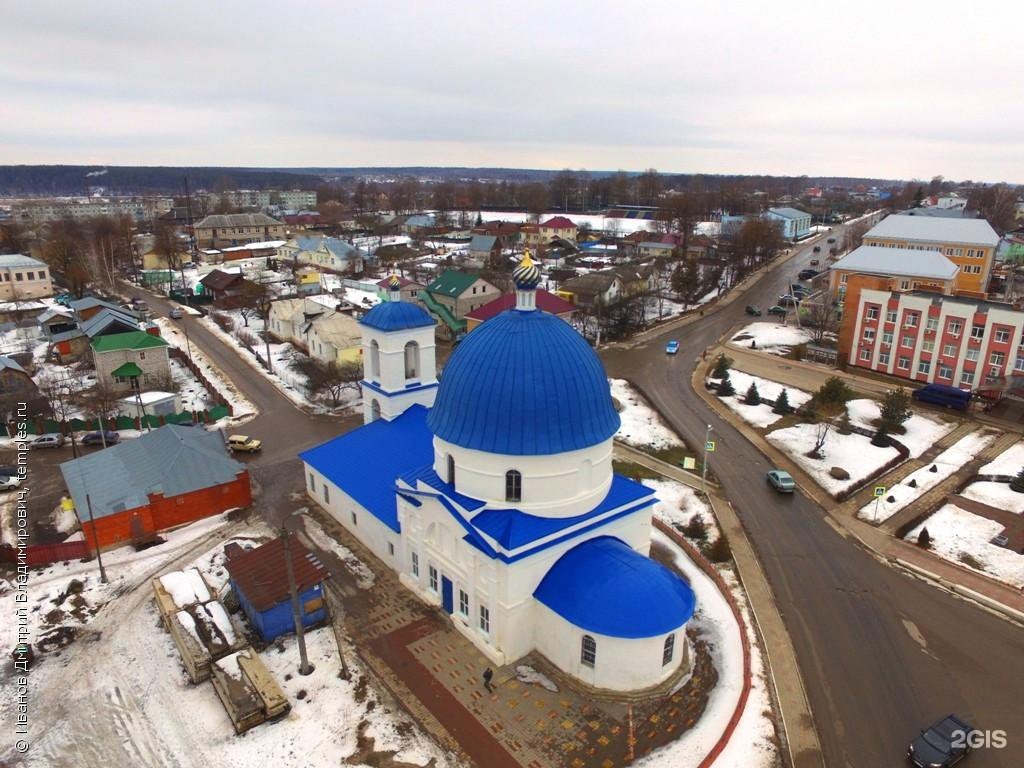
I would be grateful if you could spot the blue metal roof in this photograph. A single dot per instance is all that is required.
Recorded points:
(513, 528)
(606, 587)
(397, 316)
(365, 462)
(523, 383)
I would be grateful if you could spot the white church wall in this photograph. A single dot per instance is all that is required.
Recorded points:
(620, 664)
(357, 520)
(558, 485)
(391, 375)
(389, 406)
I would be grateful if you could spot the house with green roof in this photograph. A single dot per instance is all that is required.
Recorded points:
(122, 358)
(458, 294)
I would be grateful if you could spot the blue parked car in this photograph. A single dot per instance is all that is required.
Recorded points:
(672, 347)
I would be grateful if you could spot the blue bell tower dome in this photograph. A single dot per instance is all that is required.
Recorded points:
(524, 383)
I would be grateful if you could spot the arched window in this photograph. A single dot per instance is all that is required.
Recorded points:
(451, 469)
(374, 410)
(669, 650)
(588, 651)
(513, 485)
(412, 360)
(374, 360)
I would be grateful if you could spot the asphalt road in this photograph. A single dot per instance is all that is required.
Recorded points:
(882, 654)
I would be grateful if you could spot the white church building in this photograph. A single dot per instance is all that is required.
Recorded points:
(491, 493)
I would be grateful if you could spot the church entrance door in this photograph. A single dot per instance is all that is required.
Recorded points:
(446, 594)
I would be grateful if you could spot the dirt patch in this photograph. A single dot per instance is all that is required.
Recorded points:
(57, 638)
(365, 753)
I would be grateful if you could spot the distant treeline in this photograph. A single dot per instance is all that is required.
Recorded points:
(47, 180)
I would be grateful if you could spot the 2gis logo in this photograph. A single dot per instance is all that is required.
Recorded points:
(979, 739)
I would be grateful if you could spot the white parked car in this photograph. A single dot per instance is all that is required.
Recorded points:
(9, 483)
(47, 441)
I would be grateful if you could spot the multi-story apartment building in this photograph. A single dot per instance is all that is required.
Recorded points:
(968, 243)
(925, 337)
(291, 199)
(228, 230)
(794, 224)
(903, 269)
(82, 208)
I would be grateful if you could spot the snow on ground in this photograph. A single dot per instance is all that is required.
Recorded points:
(753, 742)
(922, 432)
(770, 336)
(852, 452)
(530, 676)
(239, 403)
(1009, 462)
(641, 426)
(678, 504)
(760, 416)
(955, 532)
(323, 540)
(945, 464)
(998, 495)
(194, 396)
(594, 221)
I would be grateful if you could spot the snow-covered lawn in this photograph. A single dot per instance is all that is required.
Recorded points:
(955, 531)
(1009, 462)
(771, 336)
(193, 394)
(998, 495)
(760, 415)
(922, 432)
(945, 464)
(641, 426)
(752, 744)
(677, 504)
(852, 452)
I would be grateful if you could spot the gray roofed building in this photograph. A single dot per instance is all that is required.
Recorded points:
(879, 260)
(171, 461)
(109, 321)
(789, 213)
(220, 220)
(482, 246)
(9, 364)
(937, 230)
(19, 260)
(88, 302)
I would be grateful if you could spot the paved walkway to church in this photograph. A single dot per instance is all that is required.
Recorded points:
(436, 674)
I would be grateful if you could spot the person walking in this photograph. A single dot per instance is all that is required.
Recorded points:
(488, 675)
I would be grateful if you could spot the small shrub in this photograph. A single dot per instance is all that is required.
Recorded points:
(247, 338)
(753, 396)
(844, 427)
(1017, 484)
(924, 539)
(719, 551)
(725, 388)
(782, 406)
(696, 529)
(224, 322)
(881, 438)
(722, 365)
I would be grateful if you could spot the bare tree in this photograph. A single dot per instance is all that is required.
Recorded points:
(821, 316)
(101, 402)
(167, 245)
(330, 380)
(66, 251)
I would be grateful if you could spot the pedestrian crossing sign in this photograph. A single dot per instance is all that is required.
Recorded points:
(879, 490)
(709, 446)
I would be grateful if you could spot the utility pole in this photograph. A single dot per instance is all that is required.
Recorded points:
(704, 462)
(96, 539)
(304, 666)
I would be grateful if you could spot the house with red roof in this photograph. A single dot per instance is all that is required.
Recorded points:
(410, 288)
(546, 302)
(556, 227)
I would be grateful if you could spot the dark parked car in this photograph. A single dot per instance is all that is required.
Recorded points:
(777, 310)
(807, 274)
(831, 240)
(8, 471)
(753, 309)
(944, 395)
(817, 249)
(94, 438)
(944, 744)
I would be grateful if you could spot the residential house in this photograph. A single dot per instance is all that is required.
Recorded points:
(15, 380)
(166, 478)
(653, 249)
(221, 285)
(22, 277)
(57, 320)
(335, 337)
(328, 253)
(410, 288)
(506, 231)
(109, 321)
(903, 269)
(485, 249)
(700, 248)
(556, 227)
(122, 358)
(794, 223)
(89, 306)
(259, 581)
(307, 281)
(593, 289)
(637, 278)
(228, 230)
(460, 292)
(922, 336)
(546, 302)
(969, 243)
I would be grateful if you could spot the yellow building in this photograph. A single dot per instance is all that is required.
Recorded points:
(968, 243)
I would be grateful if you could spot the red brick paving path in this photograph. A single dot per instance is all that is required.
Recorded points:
(472, 736)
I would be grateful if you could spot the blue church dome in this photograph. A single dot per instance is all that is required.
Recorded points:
(605, 586)
(396, 316)
(524, 383)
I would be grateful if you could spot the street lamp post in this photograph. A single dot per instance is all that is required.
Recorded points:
(704, 462)
(305, 667)
(264, 307)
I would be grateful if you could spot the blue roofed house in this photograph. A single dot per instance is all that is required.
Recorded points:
(259, 580)
(330, 253)
(492, 494)
(795, 224)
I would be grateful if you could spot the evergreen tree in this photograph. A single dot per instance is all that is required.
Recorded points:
(1017, 484)
(881, 438)
(895, 408)
(845, 427)
(924, 539)
(725, 387)
(782, 406)
(753, 396)
(722, 364)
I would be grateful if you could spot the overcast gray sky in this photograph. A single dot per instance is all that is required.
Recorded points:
(869, 88)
